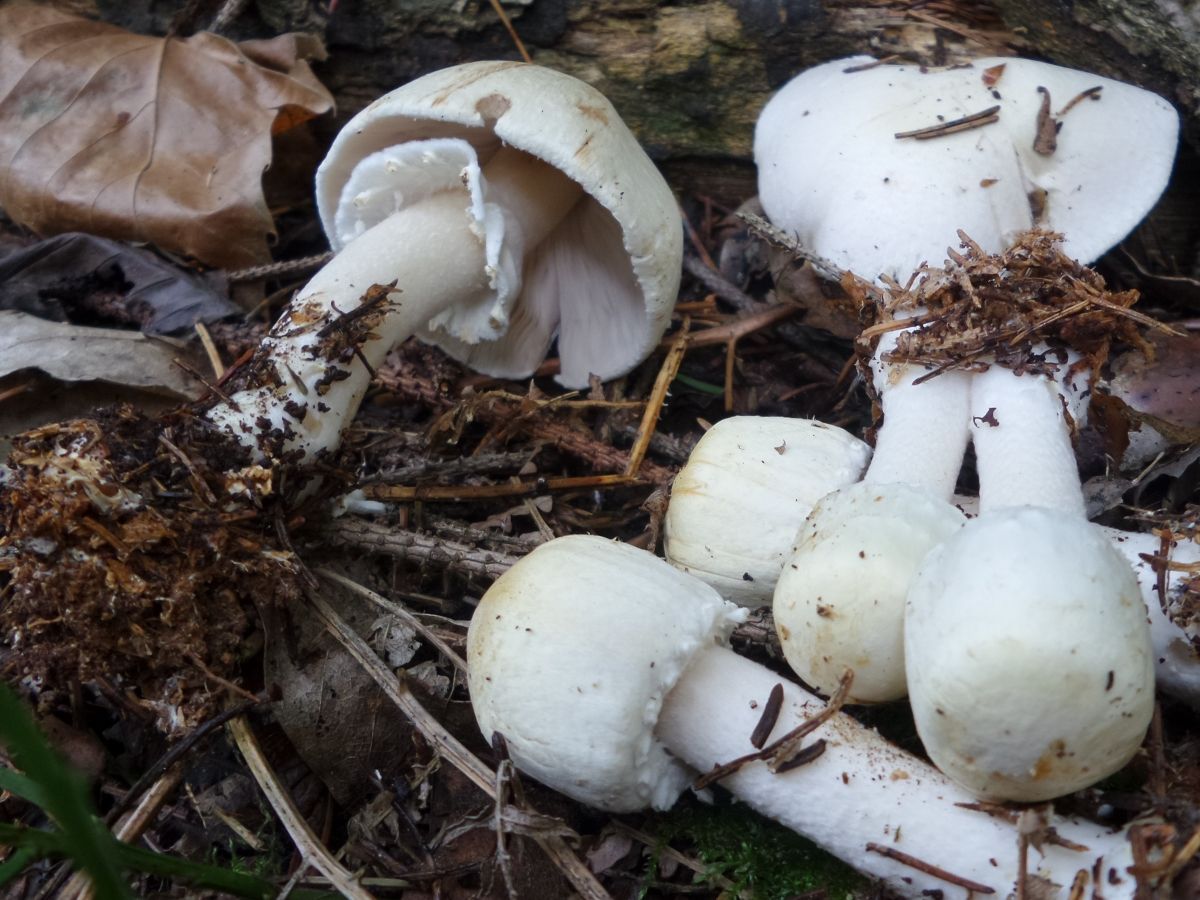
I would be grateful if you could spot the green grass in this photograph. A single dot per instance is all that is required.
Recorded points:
(46, 781)
(755, 853)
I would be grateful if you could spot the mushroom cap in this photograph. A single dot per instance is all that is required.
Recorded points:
(604, 281)
(831, 170)
(748, 484)
(839, 602)
(1030, 667)
(571, 654)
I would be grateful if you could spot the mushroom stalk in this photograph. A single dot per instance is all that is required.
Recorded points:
(866, 801)
(924, 433)
(320, 353)
(1022, 443)
(1173, 629)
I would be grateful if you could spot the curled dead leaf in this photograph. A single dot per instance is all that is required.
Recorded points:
(145, 138)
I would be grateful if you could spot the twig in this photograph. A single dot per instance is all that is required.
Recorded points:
(399, 611)
(287, 267)
(454, 468)
(172, 756)
(953, 126)
(132, 827)
(780, 238)
(873, 64)
(310, 847)
(512, 32)
(451, 492)
(349, 531)
(569, 440)
(929, 868)
(229, 11)
(780, 754)
(658, 395)
(449, 746)
(210, 348)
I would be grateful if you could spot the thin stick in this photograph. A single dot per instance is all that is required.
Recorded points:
(778, 754)
(310, 847)
(966, 123)
(15, 390)
(658, 395)
(132, 827)
(448, 745)
(172, 756)
(929, 868)
(210, 348)
(512, 32)
(350, 531)
(488, 491)
(399, 611)
(738, 328)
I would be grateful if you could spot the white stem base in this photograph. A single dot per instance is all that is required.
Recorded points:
(863, 791)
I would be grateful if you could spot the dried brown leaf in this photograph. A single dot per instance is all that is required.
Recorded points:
(145, 138)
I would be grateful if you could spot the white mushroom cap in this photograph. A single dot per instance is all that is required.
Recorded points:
(839, 602)
(828, 128)
(747, 486)
(604, 281)
(1030, 668)
(577, 715)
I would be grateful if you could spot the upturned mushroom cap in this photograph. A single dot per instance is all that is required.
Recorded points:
(1030, 668)
(747, 486)
(839, 602)
(829, 126)
(579, 715)
(604, 281)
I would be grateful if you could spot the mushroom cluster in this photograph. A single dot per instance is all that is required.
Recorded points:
(862, 589)
(607, 673)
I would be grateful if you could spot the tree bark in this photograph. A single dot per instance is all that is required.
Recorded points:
(690, 76)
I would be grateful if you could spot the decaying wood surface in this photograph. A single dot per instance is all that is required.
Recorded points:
(690, 76)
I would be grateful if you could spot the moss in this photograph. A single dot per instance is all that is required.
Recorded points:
(755, 853)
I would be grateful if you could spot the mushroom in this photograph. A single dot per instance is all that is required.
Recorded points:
(746, 486)
(487, 208)
(1029, 659)
(605, 669)
(993, 148)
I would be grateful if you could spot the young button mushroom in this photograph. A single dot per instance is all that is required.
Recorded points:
(994, 148)
(1029, 658)
(606, 671)
(839, 601)
(488, 208)
(748, 484)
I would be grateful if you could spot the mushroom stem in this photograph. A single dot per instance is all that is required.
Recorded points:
(866, 801)
(924, 433)
(318, 359)
(1176, 657)
(1022, 443)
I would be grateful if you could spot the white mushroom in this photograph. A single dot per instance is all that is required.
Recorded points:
(1029, 660)
(846, 580)
(1167, 592)
(606, 671)
(747, 485)
(838, 124)
(488, 208)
